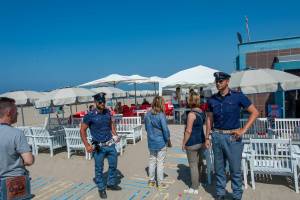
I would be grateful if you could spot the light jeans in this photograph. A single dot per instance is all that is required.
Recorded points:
(227, 148)
(156, 160)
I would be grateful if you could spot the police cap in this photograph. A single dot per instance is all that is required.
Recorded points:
(100, 97)
(221, 76)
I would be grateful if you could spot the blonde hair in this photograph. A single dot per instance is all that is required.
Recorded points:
(158, 105)
(194, 100)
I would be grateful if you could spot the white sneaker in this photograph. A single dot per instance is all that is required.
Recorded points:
(191, 191)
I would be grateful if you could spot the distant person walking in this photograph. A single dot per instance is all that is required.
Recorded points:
(15, 152)
(193, 141)
(176, 101)
(158, 136)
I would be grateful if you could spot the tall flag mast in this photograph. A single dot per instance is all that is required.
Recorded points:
(247, 28)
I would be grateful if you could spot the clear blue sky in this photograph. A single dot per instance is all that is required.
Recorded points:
(46, 44)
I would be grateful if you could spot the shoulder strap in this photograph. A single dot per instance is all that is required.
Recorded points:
(199, 114)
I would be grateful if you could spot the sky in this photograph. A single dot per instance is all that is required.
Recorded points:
(52, 44)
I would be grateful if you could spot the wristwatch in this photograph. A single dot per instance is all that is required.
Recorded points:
(208, 138)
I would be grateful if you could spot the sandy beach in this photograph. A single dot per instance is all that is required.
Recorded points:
(62, 178)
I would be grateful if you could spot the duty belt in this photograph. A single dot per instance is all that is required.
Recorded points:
(226, 131)
(108, 143)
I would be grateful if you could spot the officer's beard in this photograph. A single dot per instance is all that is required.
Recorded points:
(100, 107)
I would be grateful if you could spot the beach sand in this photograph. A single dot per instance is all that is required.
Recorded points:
(62, 178)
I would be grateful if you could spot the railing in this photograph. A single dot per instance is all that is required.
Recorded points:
(288, 128)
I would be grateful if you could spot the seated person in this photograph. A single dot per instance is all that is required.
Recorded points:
(145, 102)
(119, 108)
(91, 108)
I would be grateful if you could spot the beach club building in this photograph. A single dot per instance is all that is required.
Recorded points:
(281, 54)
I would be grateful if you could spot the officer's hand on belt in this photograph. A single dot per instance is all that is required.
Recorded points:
(207, 143)
(89, 148)
(116, 138)
(239, 133)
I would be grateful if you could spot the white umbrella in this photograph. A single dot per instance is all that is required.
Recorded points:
(23, 98)
(135, 79)
(264, 80)
(142, 79)
(110, 91)
(209, 90)
(193, 77)
(152, 79)
(141, 92)
(113, 79)
(65, 96)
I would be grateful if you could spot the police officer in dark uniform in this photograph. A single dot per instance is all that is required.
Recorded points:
(103, 133)
(223, 123)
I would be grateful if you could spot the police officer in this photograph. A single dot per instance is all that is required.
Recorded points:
(103, 133)
(223, 123)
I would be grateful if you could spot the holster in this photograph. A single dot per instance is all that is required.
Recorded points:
(96, 146)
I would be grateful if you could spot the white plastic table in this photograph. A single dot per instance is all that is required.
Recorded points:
(181, 112)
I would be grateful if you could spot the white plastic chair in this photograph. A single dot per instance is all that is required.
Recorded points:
(52, 140)
(131, 127)
(287, 129)
(121, 144)
(209, 158)
(272, 156)
(74, 141)
(259, 129)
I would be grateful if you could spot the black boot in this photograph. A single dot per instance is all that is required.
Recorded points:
(219, 197)
(113, 187)
(102, 194)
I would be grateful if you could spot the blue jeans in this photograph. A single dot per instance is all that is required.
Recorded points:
(111, 153)
(227, 147)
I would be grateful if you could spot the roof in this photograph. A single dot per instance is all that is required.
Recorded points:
(272, 40)
(289, 58)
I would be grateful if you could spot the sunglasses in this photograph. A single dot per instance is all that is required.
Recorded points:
(220, 81)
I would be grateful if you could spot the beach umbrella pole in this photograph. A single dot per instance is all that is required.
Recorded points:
(135, 93)
(23, 121)
(283, 104)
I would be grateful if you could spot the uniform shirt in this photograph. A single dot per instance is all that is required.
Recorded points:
(226, 110)
(99, 124)
(12, 144)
